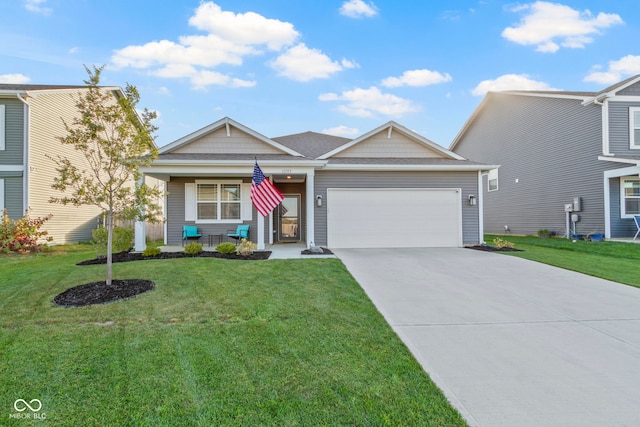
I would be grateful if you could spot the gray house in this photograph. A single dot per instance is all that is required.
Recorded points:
(568, 159)
(387, 188)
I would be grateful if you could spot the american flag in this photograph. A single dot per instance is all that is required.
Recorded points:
(264, 195)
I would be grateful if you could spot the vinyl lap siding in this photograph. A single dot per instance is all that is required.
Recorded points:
(550, 147)
(619, 138)
(633, 90)
(467, 181)
(14, 132)
(13, 196)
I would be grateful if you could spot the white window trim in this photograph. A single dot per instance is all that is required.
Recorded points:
(493, 174)
(633, 144)
(3, 123)
(219, 204)
(623, 212)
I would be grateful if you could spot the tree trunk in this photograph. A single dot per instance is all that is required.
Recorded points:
(109, 247)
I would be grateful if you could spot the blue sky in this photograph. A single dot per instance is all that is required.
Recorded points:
(342, 67)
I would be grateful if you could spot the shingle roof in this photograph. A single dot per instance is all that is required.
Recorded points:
(398, 161)
(22, 87)
(311, 144)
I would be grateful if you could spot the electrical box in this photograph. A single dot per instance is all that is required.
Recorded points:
(577, 201)
(575, 218)
(568, 207)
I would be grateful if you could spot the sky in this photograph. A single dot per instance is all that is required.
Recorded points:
(342, 67)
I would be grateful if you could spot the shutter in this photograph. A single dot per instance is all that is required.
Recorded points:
(190, 201)
(247, 206)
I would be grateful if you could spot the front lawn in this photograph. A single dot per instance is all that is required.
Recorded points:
(614, 261)
(218, 342)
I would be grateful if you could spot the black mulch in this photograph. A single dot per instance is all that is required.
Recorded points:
(100, 293)
(325, 251)
(488, 248)
(137, 256)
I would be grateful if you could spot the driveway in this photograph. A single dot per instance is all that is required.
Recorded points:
(511, 342)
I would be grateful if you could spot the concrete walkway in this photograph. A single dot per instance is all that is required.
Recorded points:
(511, 342)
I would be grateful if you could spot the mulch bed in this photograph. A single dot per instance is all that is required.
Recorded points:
(325, 251)
(137, 256)
(100, 293)
(488, 248)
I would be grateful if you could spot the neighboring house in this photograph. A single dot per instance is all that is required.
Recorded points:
(387, 188)
(31, 121)
(558, 151)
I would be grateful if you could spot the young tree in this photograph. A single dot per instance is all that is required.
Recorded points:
(115, 141)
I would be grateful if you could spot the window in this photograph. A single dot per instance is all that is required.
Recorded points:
(218, 201)
(634, 127)
(492, 180)
(629, 197)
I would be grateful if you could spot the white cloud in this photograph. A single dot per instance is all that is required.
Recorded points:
(371, 102)
(342, 130)
(303, 64)
(243, 28)
(231, 37)
(15, 79)
(35, 7)
(510, 82)
(618, 70)
(358, 9)
(163, 90)
(549, 26)
(417, 78)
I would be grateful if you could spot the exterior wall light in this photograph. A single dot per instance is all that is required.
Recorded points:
(472, 200)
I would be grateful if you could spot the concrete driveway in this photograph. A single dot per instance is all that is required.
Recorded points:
(511, 342)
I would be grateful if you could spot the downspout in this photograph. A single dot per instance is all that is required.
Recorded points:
(605, 125)
(480, 209)
(25, 155)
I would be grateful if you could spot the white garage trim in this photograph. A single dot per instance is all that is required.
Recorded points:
(394, 217)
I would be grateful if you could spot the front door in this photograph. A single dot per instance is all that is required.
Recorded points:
(289, 218)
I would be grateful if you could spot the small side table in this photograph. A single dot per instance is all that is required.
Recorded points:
(214, 239)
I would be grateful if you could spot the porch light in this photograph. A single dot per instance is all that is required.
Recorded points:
(472, 200)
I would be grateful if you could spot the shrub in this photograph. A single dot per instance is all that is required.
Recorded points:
(246, 247)
(151, 251)
(22, 234)
(193, 248)
(226, 248)
(501, 243)
(122, 239)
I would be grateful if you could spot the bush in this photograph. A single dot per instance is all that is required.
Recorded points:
(193, 248)
(151, 251)
(122, 239)
(246, 247)
(501, 243)
(226, 248)
(22, 235)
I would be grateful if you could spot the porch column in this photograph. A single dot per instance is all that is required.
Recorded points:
(260, 242)
(140, 227)
(311, 203)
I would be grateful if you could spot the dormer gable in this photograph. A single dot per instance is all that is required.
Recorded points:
(391, 140)
(226, 136)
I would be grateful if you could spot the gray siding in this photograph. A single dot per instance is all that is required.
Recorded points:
(14, 133)
(467, 181)
(175, 216)
(620, 227)
(633, 90)
(550, 146)
(13, 195)
(619, 138)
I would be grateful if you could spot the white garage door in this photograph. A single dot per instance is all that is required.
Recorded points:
(393, 218)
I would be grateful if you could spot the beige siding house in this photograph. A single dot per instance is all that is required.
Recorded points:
(33, 121)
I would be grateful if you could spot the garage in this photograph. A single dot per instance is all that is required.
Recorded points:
(393, 217)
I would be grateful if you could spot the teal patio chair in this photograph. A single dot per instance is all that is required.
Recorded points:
(241, 232)
(190, 232)
(636, 219)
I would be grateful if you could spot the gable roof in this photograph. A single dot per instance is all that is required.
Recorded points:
(612, 90)
(225, 122)
(391, 125)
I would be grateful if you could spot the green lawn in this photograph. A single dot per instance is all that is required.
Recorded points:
(615, 261)
(218, 342)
